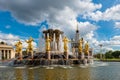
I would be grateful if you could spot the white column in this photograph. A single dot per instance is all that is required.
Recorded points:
(13, 54)
(7, 54)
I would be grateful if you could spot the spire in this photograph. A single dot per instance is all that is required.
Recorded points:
(77, 26)
(77, 31)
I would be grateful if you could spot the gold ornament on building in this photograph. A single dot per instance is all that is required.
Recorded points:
(87, 48)
(80, 47)
(30, 45)
(48, 40)
(65, 41)
(18, 47)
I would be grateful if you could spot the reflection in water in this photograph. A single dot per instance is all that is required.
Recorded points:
(82, 74)
(107, 72)
(57, 73)
(65, 74)
(48, 74)
(18, 74)
(30, 74)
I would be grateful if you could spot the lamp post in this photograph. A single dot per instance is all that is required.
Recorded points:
(101, 51)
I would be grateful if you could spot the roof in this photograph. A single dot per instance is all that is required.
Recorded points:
(53, 31)
(5, 46)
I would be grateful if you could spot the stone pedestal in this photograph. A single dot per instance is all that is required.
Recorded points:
(32, 55)
(20, 56)
(82, 56)
(66, 54)
(48, 55)
(88, 56)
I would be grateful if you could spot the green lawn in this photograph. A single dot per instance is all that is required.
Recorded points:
(113, 59)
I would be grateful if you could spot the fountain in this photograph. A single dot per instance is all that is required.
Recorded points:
(54, 44)
(19, 49)
(60, 47)
(56, 52)
(30, 47)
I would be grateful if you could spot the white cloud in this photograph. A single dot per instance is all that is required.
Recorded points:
(86, 27)
(105, 49)
(112, 13)
(8, 38)
(42, 28)
(90, 37)
(108, 49)
(41, 44)
(60, 13)
(113, 43)
(57, 12)
(116, 37)
(4, 36)
(11, 39)
(117, 25)
(25, 45)
(33, 12)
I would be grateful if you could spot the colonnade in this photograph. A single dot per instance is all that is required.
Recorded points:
(6, 54)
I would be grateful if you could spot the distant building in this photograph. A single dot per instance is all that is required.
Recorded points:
(75, 41)
(6, 51)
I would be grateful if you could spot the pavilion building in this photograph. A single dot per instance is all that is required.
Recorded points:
(6, 51)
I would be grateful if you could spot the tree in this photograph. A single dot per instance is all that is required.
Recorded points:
(98, 55)
(108, 55)
(116, 54)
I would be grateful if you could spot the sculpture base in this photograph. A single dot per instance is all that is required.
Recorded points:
(49, 58)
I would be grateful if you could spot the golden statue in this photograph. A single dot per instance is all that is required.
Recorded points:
(80, 47)
(18, 47)
(65, 40)
(48, 43)
(87, 48)
(30, 45)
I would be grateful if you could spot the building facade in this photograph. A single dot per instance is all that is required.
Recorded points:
(75, 41)
(75, 44)
(6, 51)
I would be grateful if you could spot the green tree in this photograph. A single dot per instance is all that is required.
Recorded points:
(98, 55)
(116, 54)
(108, 55)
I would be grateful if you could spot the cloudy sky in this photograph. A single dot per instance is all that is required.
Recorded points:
(98, 20)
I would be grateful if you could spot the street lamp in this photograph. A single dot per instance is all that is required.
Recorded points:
(100, 50)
